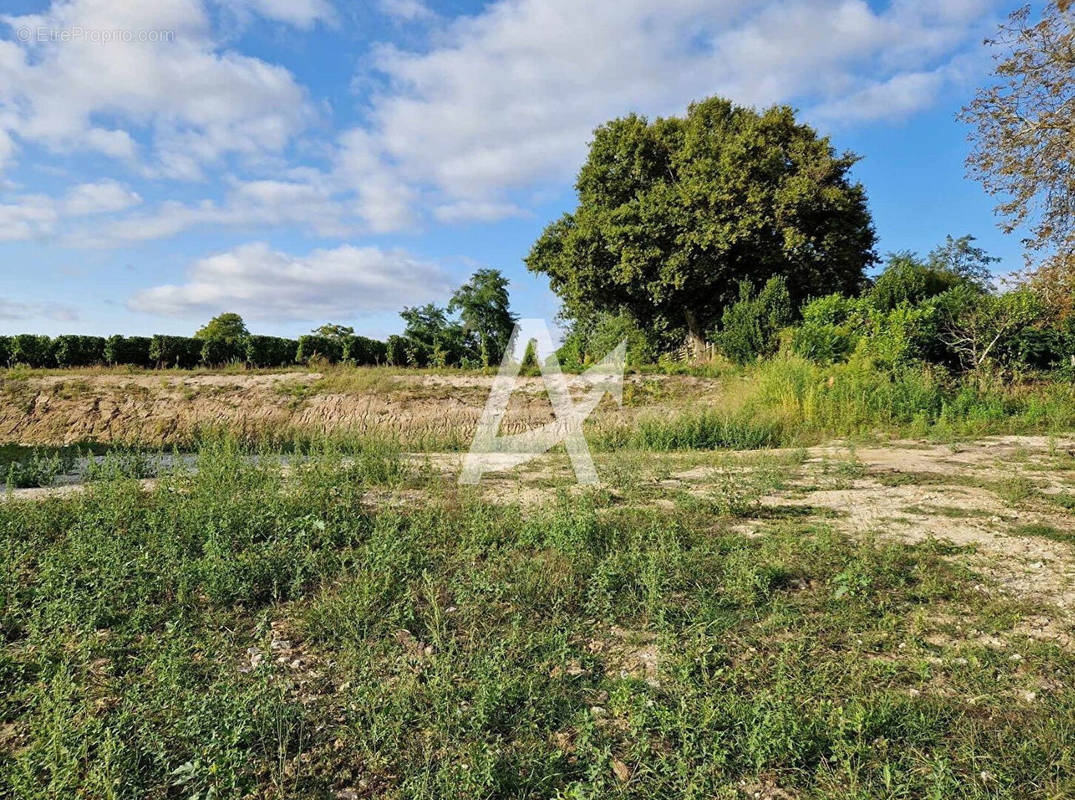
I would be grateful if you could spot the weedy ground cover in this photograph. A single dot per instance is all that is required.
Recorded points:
(352, 626)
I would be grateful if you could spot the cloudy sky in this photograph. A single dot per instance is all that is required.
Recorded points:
(303, 161)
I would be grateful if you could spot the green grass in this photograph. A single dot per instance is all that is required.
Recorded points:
(787, 401)
(1045, 532)
(244, 630)
(692, 430)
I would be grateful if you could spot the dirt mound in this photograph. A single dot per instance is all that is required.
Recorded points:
(169, 409)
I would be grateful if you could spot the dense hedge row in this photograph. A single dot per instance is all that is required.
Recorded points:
(32, 350)
(78, 351)
(187, 352)
(322, 348)
(270, 351)
(363, 351)
(129, 350)
(184, 352)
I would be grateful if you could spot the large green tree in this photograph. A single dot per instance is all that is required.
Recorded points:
(673, 214)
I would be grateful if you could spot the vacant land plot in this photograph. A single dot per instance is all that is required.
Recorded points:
(857, 618)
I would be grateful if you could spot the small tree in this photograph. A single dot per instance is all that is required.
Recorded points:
(961, 258)
(482, 304)
(332, 331)
(975, 324)
(433, 338)
(227, 327)
(749, 327)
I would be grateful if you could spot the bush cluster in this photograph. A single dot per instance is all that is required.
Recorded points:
(364, 352)
(78, 351)
(270, 351)
(941, 312)
(963, 328)
(321, 348)
(590, 340)
(128, 350)
(184, 352)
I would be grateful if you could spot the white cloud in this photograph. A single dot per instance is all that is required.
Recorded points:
(383, 199)
(36, 216)
(99, 198)
(304, 198)
(507, 98)
(194, 102)
(11, 310)
(257, 281)
(477, 211)
(303, 14)
(30, 217)
(408, 10)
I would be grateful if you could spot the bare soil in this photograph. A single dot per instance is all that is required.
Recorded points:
(170, 409)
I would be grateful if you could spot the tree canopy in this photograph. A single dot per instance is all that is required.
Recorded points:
(673, 214)
(482, 303)
(227, 327)
(1023, 128)
(334, 331)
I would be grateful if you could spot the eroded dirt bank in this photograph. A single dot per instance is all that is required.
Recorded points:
(164, 409)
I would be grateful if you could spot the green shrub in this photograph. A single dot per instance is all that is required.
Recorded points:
(908, 280)
(31, 350)
(750, 326)
(830, 330)
(901, 336)
(38, 469)
(610, 330)
(418, 353)
(270, 351)
(5, 350)
(184, 352)
(322, 347)
(572, 353)
(590, 340)
(78, 351)
(217, 352)
(396, 348)
(128, 350)
(363, 351)
(1035, 348)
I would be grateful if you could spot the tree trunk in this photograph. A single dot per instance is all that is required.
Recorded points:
(694, 334)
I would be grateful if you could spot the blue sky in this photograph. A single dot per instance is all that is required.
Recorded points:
(306, 161)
